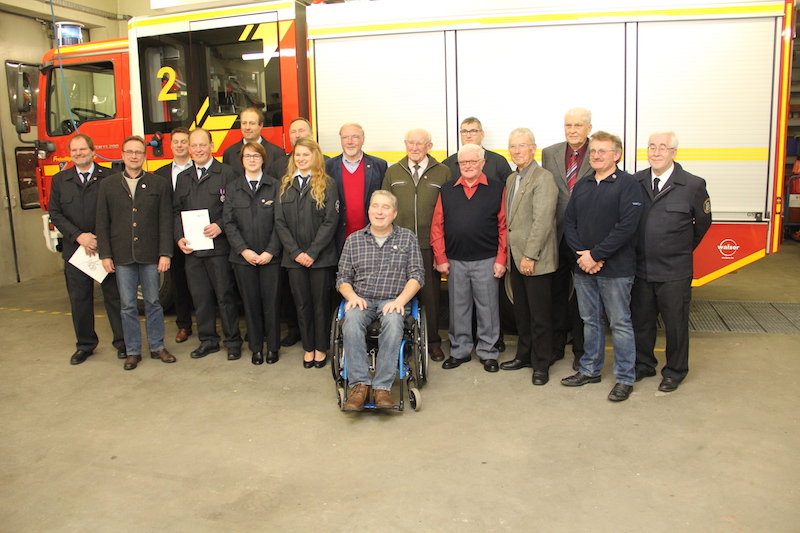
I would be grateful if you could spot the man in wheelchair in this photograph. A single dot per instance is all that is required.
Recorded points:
(380, 271)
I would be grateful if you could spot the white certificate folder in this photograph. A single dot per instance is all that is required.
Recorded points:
(91, 265)
(193, 223)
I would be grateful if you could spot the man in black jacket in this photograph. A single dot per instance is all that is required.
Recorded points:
(73, 210)
(134, 239)
(251, 121)
(209, 273)
(676, 216)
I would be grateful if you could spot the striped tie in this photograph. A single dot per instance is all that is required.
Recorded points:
(572, 171)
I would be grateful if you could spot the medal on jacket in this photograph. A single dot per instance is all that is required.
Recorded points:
(222, 195)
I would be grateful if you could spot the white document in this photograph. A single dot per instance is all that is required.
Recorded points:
(92, 266)
(193, 223)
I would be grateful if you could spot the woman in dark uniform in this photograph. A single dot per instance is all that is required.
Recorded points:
(307, 216)
(249, 221)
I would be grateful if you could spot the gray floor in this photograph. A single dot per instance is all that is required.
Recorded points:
(210, 445)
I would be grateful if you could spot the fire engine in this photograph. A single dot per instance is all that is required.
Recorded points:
(718, 73)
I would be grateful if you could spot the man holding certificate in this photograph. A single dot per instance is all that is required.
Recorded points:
(197, 204)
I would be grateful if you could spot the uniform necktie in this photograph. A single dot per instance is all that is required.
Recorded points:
(302, 181)
(84, 177)
(572, 171)
(416, 174)
(656, 188)
(253, 184)
(202, 171)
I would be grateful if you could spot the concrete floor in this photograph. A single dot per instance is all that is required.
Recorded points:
(210, 445)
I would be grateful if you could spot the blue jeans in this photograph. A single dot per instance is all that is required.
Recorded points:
(596, 293)
(354, 330)
(129, 277)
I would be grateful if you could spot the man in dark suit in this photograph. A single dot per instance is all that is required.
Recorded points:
(567, 162)
(251, 121)
(73, 210)
(676, 216)
(495, 166)
(357, 176)
(134, 240)
(211, 281)
(179, 142)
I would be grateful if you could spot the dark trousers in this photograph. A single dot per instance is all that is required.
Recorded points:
(534, 316)
(288, 308)
(566, 317)
(80, 289)
(180, 290)
(428, 296)
(211, 283)
(260, 291)
(311, 288)
(670, 299)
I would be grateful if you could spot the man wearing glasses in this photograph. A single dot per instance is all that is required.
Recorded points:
(676, 216)
(468, 236)
(600, 225)
(357, 176)
(495, 165)
(568, 163)
(204, 186)
(416, 180)
(134, 240)
(531, 198)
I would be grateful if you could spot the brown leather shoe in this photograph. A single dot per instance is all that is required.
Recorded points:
(436, 353)
(131, 361)
(164, 355)
(358, 395)
(183, 334)
(383, 399)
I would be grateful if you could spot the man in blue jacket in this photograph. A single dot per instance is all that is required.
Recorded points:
(600, 224)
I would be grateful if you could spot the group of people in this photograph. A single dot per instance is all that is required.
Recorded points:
(624, 241)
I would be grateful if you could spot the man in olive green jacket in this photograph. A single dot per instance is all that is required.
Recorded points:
(416, 181)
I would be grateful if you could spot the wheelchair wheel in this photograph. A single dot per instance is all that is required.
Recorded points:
(337, 343)
(422, 349)
(340, 395)
(414, 398)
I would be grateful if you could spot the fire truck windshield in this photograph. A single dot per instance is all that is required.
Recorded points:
(87, 94)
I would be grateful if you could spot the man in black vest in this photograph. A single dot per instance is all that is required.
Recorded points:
(468, 236)
(73, 210)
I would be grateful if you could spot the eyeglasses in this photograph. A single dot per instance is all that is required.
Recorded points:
(602, 153)
(416, 144)
(470, 162)
(251, 156)
(349, 137)
(656, 149)
(133, 152)
(520, 146)
(470, 132)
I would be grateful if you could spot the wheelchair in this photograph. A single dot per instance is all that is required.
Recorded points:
(412, 371)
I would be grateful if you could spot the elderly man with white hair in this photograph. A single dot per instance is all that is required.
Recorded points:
(468, 236)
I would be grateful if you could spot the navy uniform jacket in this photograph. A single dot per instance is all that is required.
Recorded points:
(231, 155)
(249, 218)
(73, 206)
(374, 170)
(672, 225)
(207, 193)
(138, 229)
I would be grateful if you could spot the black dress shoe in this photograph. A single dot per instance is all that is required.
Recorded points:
(576, 363)
(620, 392)
(515, 364)
(644, 373)
(291, 338)
(204, 350)
(490, 365)
(320, 364)
(452, 362)
(79, 357)
(579, 379)
(500, 345)
(669, 385)
(272, 357)
(257, 358)
(121, 353)
(234, 353)
(540, 377)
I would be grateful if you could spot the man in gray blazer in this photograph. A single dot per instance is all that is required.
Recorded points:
(531, 199)
(568, 163)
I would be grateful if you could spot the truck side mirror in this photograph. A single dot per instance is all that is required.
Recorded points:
(22, 125)
(24, 102)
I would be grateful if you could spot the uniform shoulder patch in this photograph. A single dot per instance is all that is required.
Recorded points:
(707, 206)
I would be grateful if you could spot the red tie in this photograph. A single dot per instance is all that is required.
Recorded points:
(572, 171)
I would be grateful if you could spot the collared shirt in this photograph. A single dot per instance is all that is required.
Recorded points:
(351, 166)
(205, 167)
(437, 225)
(380, 272)
(82, 172)
(662, 179)
(581, 156)
(177, 169)
(248, 180)
(423, 166)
